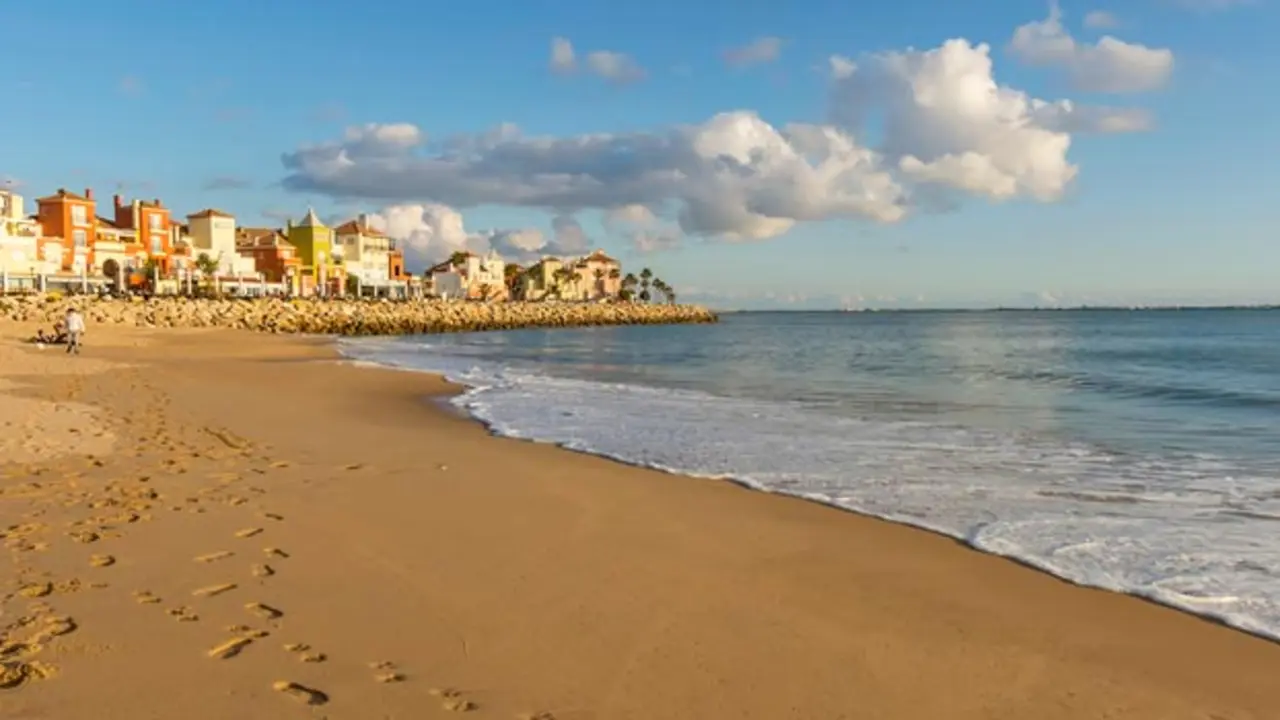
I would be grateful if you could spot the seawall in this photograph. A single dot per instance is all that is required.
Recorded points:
(344, 317)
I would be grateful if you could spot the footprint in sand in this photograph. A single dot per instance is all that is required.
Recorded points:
(212, 590)
(54, 627)
(248, 532)
(272, 516)
(183, 614)
(536, 716)
(102, 561)
(262, 571)
(453, 700)
(234, 501)
(387, 673)
(275, 552)
(305, 653)
(301, 693)
(16, 674)
(145, 597)
(265, 612)
(230, 648)
(84, 536)
(210, 557)
(248, 632)
(36, 590)
(280, 464)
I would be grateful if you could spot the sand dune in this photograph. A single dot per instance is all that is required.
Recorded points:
(205, 524)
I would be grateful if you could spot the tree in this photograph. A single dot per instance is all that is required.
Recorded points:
(599, 281)
(646, 281)
(111, 269)
(353, 285)
(485, 291)
(628, 290)
(459, 258)
(511, 275)
(205, 264)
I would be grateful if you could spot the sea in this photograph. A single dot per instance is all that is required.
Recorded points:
(1137, 451)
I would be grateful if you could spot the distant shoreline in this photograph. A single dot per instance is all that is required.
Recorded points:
(1074, 308)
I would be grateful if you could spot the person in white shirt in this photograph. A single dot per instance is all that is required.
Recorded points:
(75, 330)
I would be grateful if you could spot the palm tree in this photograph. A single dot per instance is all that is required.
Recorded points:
(628, 290)
(562, 276)
(510, 275)
(646, 281)
(458, 259)
(599, 282)
(663, 289)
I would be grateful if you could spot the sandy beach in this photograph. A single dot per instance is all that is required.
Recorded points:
(208, 524)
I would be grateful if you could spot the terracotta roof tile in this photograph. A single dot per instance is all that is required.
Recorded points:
(210, 212)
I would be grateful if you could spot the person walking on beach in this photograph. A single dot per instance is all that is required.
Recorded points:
(74, 326)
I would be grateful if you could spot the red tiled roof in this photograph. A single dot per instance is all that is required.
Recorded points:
(210, 212)
(61, 195)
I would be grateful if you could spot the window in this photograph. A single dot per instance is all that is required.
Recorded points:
(80, 237)
(153, 221)
(157, 246)
(79, 215)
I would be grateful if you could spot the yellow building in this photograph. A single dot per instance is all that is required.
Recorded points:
(322, 273)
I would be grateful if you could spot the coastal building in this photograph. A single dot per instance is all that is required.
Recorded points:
(274, 258)
(470, 276)
(116, 251)
(321, 271)
(598, 276)
(142, 223)
(72, 219)
(366, 255)
(213, 233)
(19, 237)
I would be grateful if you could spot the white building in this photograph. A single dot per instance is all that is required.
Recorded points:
(20, 240)
(467, 275)
(213, 233)
(366, 254)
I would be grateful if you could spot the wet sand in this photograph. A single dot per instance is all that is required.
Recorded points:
(214, 524)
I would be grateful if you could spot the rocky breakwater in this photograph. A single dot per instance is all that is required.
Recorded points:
(343, 317)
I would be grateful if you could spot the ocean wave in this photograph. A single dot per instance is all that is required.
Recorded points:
(1192, 531)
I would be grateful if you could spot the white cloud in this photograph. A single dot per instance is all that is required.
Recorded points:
(949, 130)
(642, 228)
(430, 232)
(615, 67)
(1109, 65)
(563, 60)
(1100, 20)
(761, 50)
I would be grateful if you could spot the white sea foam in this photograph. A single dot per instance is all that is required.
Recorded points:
(1193, 532)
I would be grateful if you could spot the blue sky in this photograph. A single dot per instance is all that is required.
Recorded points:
(199, 104)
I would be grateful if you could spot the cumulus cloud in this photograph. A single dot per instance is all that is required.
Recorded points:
(1110, 65)
(642, 228)
(429, 233)
(945, 127)
(614, 67)
(761, 50)
(1100, 20)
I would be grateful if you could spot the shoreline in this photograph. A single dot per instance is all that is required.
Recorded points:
(462, 389)
(536, 579)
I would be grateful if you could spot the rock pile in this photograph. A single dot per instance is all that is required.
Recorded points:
(343, 317)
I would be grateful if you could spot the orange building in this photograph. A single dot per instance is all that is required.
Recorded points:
(152, 223)
(71, 219)
(273, 256)
(395, 262)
